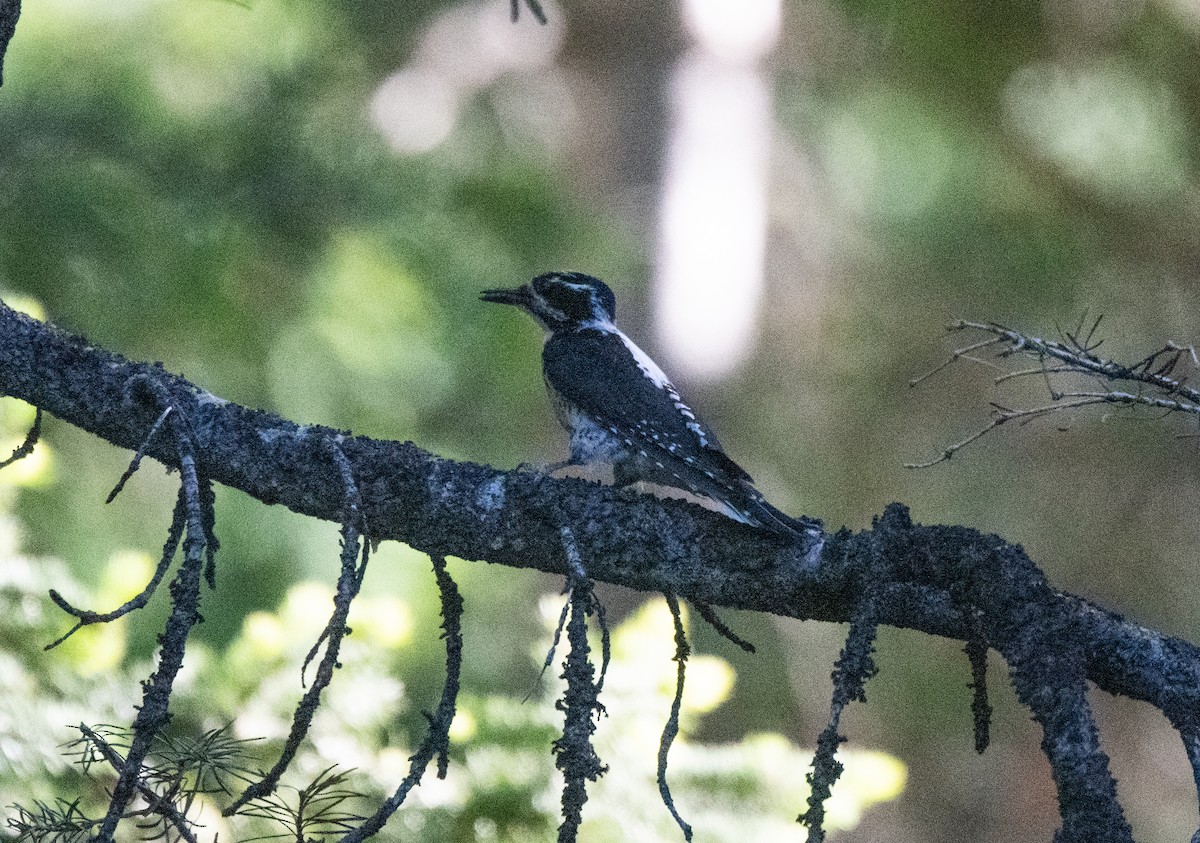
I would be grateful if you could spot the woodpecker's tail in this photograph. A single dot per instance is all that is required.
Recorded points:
(756, 511)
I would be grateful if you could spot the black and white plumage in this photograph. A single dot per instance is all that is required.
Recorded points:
(620, 408)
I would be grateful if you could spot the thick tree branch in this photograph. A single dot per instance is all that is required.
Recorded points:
(943, 580)
(10, 10)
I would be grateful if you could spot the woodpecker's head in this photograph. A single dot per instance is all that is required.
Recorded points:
(561, 301)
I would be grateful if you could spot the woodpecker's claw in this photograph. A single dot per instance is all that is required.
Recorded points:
(539, 471)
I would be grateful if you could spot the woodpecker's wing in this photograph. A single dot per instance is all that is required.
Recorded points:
(612, 381)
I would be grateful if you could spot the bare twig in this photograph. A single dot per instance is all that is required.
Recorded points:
(671, 729)
(437, 738)
(349, 582)
(605, 641)
(554, 641)
(1001, 415)
(136, 462)
(153, 714)
(1156, 385)
(31, 439)
(1042, 370)
(574, 753)
(962, 352)
(712, 619)
(535, 8)
(1078, 357)
(85, 617)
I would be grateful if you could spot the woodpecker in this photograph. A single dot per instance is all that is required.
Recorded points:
(620, 408)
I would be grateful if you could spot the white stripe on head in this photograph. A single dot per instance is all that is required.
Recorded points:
(575, 285)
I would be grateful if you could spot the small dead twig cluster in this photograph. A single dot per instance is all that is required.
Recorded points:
(1150, 382)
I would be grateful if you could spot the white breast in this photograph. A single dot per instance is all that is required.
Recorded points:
(592, 443)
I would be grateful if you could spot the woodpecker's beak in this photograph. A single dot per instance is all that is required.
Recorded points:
(521, 297)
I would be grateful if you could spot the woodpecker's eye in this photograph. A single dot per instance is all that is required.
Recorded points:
(577, 296)
(574, 301)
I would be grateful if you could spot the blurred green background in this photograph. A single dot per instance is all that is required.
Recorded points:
(295, 205)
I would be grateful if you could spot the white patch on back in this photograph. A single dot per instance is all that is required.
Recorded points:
(656, 376)
(649, 367)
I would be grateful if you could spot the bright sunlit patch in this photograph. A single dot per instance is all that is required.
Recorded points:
(101, 647)
(22, 303)
(648, 634)
(869, 778)
(1105, 125)
(96, 649)
(382, 620)
(472, 44)
(264, 634)
(415, 109)
(468, 47)
(307, 606)
(54, 16)
(463, 727)
(740, 31)
(714, 211)
(714, 194)
(360, 699)
(33, 470)
(435, 793)
(125, 575)
(709, 683)
(887, 154)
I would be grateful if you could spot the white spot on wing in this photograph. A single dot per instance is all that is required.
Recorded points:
(698, 430)
(659, 378)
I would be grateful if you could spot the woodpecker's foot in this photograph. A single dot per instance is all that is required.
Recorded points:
(542, 471)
